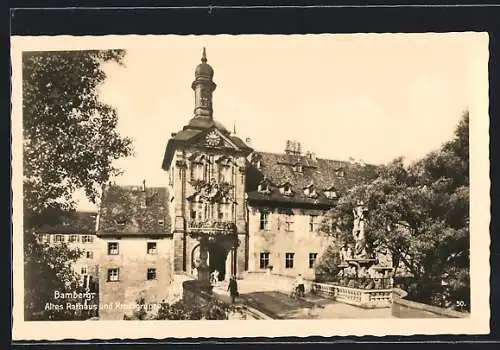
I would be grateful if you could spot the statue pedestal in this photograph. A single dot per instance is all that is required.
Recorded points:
(203, 268)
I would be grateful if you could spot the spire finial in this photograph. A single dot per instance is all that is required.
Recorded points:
(204, 55)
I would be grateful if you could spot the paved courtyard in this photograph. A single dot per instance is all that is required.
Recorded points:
(269, 295)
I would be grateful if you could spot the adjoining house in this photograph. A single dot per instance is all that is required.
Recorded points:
(78, 231)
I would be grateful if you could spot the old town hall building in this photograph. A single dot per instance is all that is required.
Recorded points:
(224, 206)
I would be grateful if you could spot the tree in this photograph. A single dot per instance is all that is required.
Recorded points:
(421, 214)
(69, 143)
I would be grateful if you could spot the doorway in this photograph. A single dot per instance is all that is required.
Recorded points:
(218, 257)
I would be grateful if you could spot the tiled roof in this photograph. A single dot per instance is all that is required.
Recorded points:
(322, 174)
(73, 222)
(128, 210)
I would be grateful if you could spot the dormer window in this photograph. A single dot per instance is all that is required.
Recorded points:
(331, 193)
(264, 187)
(286, 189)
(310, 191)
(298, 168)
(121, 222)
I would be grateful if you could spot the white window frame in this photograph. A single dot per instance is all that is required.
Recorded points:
(87, 239)
(59, 238)
(313, 224)
(113, 251)
(153, 272)
(312, 259)
(114, 274)
(264, 260)
(289, 260)
(264, 221)
(152, 251)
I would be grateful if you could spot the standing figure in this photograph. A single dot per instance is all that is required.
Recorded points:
(233, 288)
(299, 282)
(358, 231)
(349, 253)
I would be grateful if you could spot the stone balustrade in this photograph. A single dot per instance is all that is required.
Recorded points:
(367, 298)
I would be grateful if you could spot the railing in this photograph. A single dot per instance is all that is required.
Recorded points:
(368, 298)
(211, 227)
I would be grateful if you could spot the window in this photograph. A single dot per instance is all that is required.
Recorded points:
(197, 211)
(289, 223)
(264, 221)
(264, 187)
(161, 222)
(312, 259)
(152, 248)
(331, 194)
(313, 223)
(58, 238)
(289, 260)
(197, 171)
(89, 254)
(297, 168)
(151, 274)
(224, 211)
(287, 190)
(149, 307)
(84, 270)
(171, 178)
(113, 248)
(45, 238)
(113, 274)
(87, 239)
(264, 260)
(225, 174)
(121, 222)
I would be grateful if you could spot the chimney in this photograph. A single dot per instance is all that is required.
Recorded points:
(288, 147)
(143, 185)
(248, 141)
(173, 134)
(313, 155)
(298, 148)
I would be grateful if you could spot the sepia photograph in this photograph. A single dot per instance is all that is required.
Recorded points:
(325, 180)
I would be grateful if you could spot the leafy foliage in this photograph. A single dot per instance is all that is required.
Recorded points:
(70, 137)
(421, 214)
(69, 143)
(181, 310)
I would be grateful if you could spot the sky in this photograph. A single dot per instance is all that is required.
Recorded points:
(372, 97)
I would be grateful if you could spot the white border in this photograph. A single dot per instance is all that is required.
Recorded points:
(478, 323)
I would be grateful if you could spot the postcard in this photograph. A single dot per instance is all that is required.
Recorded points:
(224, 186)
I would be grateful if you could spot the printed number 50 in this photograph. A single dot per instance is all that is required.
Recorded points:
(460, 303)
